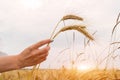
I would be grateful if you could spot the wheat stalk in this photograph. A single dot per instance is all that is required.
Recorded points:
(115, 43)
(74, 17)
(66, 17)
(79, 28)
(117, 23)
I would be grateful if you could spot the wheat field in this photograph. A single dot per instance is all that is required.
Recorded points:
(61, 74)
(73, 74)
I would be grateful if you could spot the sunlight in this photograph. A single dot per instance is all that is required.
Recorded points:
(32, 4)
(85, 67)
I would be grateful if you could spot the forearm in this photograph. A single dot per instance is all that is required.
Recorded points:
(8, 63)
(28, 57)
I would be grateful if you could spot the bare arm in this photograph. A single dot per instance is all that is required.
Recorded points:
(28, 57)
(8, 63)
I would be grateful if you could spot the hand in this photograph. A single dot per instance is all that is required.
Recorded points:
(33, 55)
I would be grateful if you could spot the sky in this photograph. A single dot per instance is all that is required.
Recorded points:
(25, 22)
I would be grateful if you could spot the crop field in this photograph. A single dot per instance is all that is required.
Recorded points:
(82, 39)
(61, 74)
(73, 73)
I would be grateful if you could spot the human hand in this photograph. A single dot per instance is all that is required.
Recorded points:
(33, 55)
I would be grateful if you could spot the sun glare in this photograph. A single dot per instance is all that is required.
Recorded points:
(32, 4)
(85, 67)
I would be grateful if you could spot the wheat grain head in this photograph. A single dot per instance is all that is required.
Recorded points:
(74, 17)
(79, 28)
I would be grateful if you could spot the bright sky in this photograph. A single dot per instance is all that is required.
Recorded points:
(24, 22)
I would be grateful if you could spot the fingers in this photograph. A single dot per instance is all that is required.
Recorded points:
(41, 43)
(41, 54)
(42, 51)
(33, 54)
(41, 60)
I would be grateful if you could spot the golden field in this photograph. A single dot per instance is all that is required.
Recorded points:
(61, 74)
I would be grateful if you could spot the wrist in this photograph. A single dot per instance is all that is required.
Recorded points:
(8, 63)
(18, 62)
